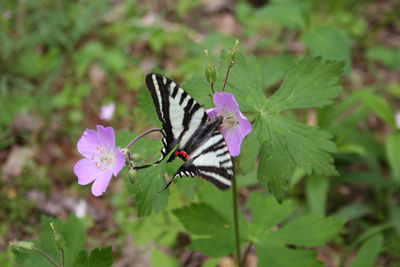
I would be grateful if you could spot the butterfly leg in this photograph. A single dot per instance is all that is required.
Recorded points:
(168, 184)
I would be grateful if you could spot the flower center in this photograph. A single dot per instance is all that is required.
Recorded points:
(229, 120)
(104, 158)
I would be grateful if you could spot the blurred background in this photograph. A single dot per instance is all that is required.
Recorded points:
(68, 65)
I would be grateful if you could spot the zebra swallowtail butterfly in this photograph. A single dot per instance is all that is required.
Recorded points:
(185, 123)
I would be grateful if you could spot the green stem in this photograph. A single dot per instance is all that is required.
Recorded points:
(235, 219)
(62, 253)
(47, 257)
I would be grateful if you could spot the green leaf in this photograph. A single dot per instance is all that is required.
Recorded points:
(353, 211)
(368, 252)
(310, 230)
(317, 190)
(245, 83)
(281, 152)
(198, 88)
(143, 149)
(285, 257)
(377, 104)
(147, 190)
(309, 83)
(250, 147)
(285, 13)
(307, 230)
(213, 234)
(394, 214)
(276, 68)
(211, 262)
(72, 230)
(160, 228)
(266, 212)
(99, 257)
(386, 55)
(393, 154)
(158, 258)
(221, 202)
(330, 43)
(186, 185)
(146, 104)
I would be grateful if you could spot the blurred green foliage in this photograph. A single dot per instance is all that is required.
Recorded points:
(60, 61)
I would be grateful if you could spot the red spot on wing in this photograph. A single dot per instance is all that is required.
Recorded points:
(183, 154)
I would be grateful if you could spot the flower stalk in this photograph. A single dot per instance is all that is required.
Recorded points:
(235, 215)
(134, 140)
(141, 135)
(47, 257)
(231, 62)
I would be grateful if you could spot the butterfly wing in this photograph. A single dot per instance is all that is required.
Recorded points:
(178, 112)
(185, 122)
(210, 159)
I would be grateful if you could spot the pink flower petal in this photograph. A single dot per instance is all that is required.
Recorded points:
(119, 161)
(107, 111)
(233, 140)
(88, 143)
(235, 126)
(86, 171)
(213, 112)
(101, 183)
(101, 161)
(226, 101)
(106, 135)
(398, 119)
(244, 125)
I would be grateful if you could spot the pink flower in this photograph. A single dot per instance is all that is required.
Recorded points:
(102, 160)
(107, 111)
(398, 119)
(235, 126)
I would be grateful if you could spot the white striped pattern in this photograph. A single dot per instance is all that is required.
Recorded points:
(210, 158)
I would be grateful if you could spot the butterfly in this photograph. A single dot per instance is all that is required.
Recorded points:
(186, 125)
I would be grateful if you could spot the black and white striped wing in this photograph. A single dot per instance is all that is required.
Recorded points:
(178, 112)
(211, 161)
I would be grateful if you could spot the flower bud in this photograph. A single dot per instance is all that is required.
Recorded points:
(211, 73)
(232, 54)
(21, 245)
(58, 238)
(132, 174)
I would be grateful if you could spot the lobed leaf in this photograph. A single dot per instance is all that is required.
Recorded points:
(245, 83)
(213, 234)
(310, 230)
(251, 146)
(146, 190)
(291, 144)
(285, 257)
(99, 257)
(309, 83)
(266, 212)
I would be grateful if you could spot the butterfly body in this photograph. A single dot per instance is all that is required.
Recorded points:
(185, 123)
